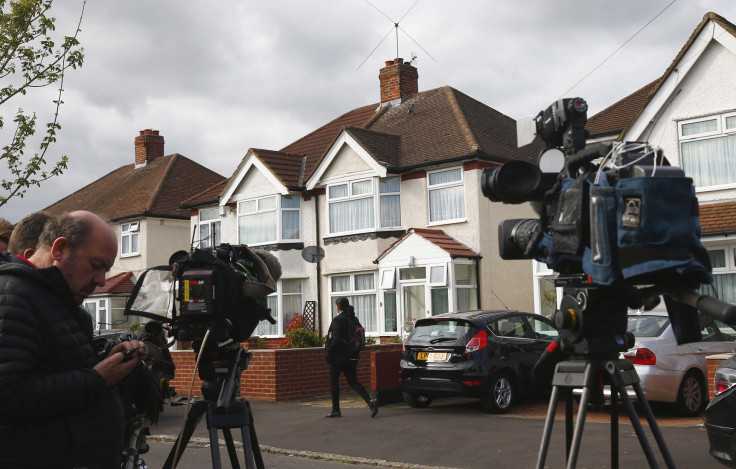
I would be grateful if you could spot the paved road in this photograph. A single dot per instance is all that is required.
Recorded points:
(449, 434)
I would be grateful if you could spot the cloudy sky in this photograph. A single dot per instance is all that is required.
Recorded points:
(217, 78)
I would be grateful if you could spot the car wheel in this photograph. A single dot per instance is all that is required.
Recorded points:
(691, 397)
(501, 394)
(417, 400)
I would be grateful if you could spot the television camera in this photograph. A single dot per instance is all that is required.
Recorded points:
(619, 225)
(615, 221)
(221, 294)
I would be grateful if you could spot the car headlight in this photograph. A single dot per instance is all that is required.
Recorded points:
(725, 378)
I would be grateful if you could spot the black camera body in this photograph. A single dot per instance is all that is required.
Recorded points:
(221, 290)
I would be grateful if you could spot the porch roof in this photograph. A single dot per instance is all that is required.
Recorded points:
(437, 237)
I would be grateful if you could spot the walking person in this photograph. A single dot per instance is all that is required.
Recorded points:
(342, 360)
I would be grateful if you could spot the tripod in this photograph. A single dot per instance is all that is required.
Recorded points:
(223, 413)
(586, 373)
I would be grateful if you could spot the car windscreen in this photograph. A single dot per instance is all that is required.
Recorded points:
(442, 330)
(647, 326)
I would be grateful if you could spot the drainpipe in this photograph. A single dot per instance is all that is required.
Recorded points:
(318, 309)
(477, 283)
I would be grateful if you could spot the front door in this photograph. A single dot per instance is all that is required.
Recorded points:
(414, 305)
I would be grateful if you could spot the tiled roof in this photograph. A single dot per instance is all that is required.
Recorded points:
(440, 239)
(718, 218)
(385, 148)
(429, 127)
(616, 117)
(444, 124)
(729, 27)
(209, 196)
(156, 189)
(285, 166)
(120, 283)
(315, 144)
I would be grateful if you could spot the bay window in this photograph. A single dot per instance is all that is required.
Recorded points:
(352, 205)
(723, 261)
(360, 290)
(284, 304)
(269, 219)
(708, 148)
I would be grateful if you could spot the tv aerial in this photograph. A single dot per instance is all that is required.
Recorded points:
(395, 28)
(313, 254)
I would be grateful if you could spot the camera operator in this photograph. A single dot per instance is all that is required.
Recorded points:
(58, 404)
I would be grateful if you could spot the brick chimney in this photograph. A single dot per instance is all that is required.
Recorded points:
(148, 146)
(398, 80)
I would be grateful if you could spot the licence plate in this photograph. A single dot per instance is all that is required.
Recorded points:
(432, 356)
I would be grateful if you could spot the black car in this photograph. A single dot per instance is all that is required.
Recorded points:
(487, 355)
(720, 415)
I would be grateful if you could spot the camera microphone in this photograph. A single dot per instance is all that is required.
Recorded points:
(272, 263)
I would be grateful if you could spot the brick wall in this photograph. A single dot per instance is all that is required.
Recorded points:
(292, 374)
(714, 361)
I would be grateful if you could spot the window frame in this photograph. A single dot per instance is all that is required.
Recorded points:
(446, 185)
(281, 321)
(375, 194)
(131, 233)
(720, 132)
(352, 291)
(278, 210)
(206, 243)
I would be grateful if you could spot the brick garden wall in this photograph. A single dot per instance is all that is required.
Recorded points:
(293, 374)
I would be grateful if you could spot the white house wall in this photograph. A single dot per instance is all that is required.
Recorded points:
(346, 161)
(707, 89)
(158, 239)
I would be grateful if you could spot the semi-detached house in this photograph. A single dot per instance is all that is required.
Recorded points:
(383, 205)
(690, 113)
(142, 204)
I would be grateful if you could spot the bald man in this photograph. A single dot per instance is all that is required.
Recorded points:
(58, 404)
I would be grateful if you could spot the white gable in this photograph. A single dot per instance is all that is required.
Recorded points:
(708, 66)
(252, 179)
(357, 162)
(423, 252)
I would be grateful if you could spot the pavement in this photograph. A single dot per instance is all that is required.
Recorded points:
(451, 433)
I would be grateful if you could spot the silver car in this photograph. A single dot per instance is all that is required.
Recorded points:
(675, 373)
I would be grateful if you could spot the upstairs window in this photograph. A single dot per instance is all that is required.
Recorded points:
(446, 195)
(708, 149)
(209, 228)
(129, 239)
(352, 205)
(269, 219)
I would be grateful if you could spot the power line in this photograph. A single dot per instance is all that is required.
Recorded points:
(620, 47)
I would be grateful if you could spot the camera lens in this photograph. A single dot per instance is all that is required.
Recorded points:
(513, 182)
(515, 237)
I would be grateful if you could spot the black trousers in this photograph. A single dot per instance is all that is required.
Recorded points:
(350, 369)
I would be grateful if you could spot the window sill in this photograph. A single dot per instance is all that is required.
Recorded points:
(130, 254)
(447, 222)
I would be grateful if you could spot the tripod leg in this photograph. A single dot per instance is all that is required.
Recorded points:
(618, 382)
(653, 426)
(579, 424)
(231, 448)
(547, 433)
(254, 442)
(614, 428)
(195, 415)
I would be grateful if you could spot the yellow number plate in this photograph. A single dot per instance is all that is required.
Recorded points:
(432, 356)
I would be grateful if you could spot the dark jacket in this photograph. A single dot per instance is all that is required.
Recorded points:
(55, 410)
(336, 347)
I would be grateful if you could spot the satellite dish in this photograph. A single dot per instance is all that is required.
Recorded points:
(313, 254)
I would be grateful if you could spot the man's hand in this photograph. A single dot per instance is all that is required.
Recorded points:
(116, 366)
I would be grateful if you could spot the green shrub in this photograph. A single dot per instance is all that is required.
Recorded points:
(297, 336)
